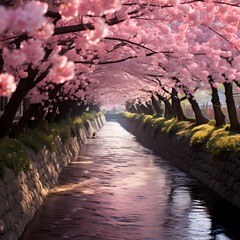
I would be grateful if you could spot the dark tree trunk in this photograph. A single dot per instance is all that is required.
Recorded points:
(133, 108)
(74, 109)
(150, 108)
(168, 107)
(82, 108)
(40, 114)
(139, 109)
(218, 113)
(17, 97)
(155, 104)
(144, 109)
(200, 119)
(22, 123)
(231, 108)
(24, 86)
(128, 107)
(64, 110)
(94, 108)
(51, 115)
(178, 108)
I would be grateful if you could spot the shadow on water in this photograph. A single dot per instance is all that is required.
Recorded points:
(223, 215)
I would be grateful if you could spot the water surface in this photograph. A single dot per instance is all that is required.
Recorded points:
(117, 189)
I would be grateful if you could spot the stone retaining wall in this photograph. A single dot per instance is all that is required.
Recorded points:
(220, 175)
(22, 195)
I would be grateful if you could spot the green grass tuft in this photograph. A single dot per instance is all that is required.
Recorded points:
(13, 155)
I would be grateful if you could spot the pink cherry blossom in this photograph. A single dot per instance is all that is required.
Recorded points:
(33, 50)
(4, 19)
(100, 31)
(62, 70)
(69, 9)
(44, 32)
(7, 84)
(28, 18)
(13, 57)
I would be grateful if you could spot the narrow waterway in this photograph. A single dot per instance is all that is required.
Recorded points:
(117, 189)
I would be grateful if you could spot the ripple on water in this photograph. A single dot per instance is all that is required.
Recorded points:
(117, 189)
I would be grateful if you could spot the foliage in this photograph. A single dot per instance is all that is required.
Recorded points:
(219, 141)
(223, 142)
(201, 134)
(13, 155)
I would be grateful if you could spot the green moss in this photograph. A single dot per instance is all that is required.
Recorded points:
(13, 155)
(223, 142)
(147, 120)
(201, 135)
(36, 139)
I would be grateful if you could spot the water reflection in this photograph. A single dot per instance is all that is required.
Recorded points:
(117, 189)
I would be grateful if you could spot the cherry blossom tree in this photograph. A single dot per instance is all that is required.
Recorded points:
(63, 53)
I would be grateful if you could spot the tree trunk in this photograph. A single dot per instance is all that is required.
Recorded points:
(150, 108)
(157, 107)
(74, 109)
(178, 108)
(139, 109)
(22, 123)
(64, 109)
(94, 108)
(51, 115)
(144, 109)
(38, 117)
(128, 107)
(231, 108)
(133, 108)
(24, 86)
(10, 111)
(168, 107)
(200, 119)
(40, 114)
(218, 113)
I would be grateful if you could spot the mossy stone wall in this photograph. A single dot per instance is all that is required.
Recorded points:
(22, 195)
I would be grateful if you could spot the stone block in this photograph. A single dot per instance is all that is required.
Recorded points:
(3, 227)
(9, 176)
(10, 236)
(22, 176)
(38, 186)
(236, 187)
(4, 206)
(24, 188)
(12, 201)
(23, 206)
(2, 189)
(230, 182)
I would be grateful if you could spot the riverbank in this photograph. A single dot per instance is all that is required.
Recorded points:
(21, 195)
(220, 173)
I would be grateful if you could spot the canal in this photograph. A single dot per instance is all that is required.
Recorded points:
(117, 189)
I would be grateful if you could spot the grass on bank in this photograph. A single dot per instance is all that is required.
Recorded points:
(13, 152)
(219, 141)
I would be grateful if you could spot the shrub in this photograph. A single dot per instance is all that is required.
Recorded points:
(223, 142)
(13, 155)
(201, 134)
